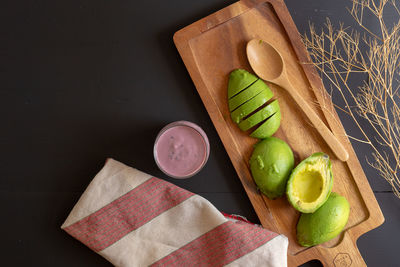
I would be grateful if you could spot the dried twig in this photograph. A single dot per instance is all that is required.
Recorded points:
(339, 54)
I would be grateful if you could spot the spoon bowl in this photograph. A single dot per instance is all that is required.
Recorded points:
(269, 65)
(257, 52)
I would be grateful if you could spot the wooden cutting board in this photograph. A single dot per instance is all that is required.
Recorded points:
(214, 46)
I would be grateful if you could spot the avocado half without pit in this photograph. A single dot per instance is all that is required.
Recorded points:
(251, 104)
(310, 183)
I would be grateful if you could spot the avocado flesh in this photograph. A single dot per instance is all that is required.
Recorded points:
(325, 223)
(247, 94)
(259, 116)
(310, 183)
(269, 127)
(239, 80)
(271, 162)
(244, 110)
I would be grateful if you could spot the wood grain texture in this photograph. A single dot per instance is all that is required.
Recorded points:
(214, 46)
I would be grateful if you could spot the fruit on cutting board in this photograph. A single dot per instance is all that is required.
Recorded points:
(269, 127)
(310, 183)
(239, 79)
(251, 105)
(245, 95)
(271, 162)
(325, 223)
(260, 115)
(248, 107)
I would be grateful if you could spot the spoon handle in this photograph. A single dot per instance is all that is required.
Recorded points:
(328, 136)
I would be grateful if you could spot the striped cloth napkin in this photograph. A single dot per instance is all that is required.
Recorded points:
(133, 219)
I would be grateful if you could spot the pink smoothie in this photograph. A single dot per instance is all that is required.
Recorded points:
(181, 149)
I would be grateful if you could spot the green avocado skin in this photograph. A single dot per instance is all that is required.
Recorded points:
(239, 79)
(270, 164)
(325, 223)
(248, 94)
(245, 95)
(254, 103)
(268, 127)
(260, 115)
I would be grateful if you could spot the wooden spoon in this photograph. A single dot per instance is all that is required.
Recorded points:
(269, 65)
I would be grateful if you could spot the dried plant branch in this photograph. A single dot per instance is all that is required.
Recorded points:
(339, 54)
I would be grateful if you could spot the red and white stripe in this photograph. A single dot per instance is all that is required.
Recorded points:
(220, 246)
(148, 221)
(127, 213)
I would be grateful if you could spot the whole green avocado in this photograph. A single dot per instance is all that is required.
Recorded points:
(325, 223)
(271, 163)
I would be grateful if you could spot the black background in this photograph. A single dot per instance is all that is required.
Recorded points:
(85, 80)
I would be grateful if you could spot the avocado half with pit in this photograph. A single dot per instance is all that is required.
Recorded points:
(310, 183)
(251, 105)
(325, 223)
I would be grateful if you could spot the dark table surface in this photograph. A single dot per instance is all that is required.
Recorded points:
(85, 80)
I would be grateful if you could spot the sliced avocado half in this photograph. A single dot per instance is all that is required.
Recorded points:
(310, 183)
(239, 80)
(325, 223)
(269, 127)
(244, 110)
(259, 116)
(247, 94)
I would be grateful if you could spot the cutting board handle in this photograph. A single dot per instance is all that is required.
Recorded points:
(343, 255)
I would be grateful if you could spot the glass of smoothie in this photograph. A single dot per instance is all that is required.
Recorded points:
(181, 149)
